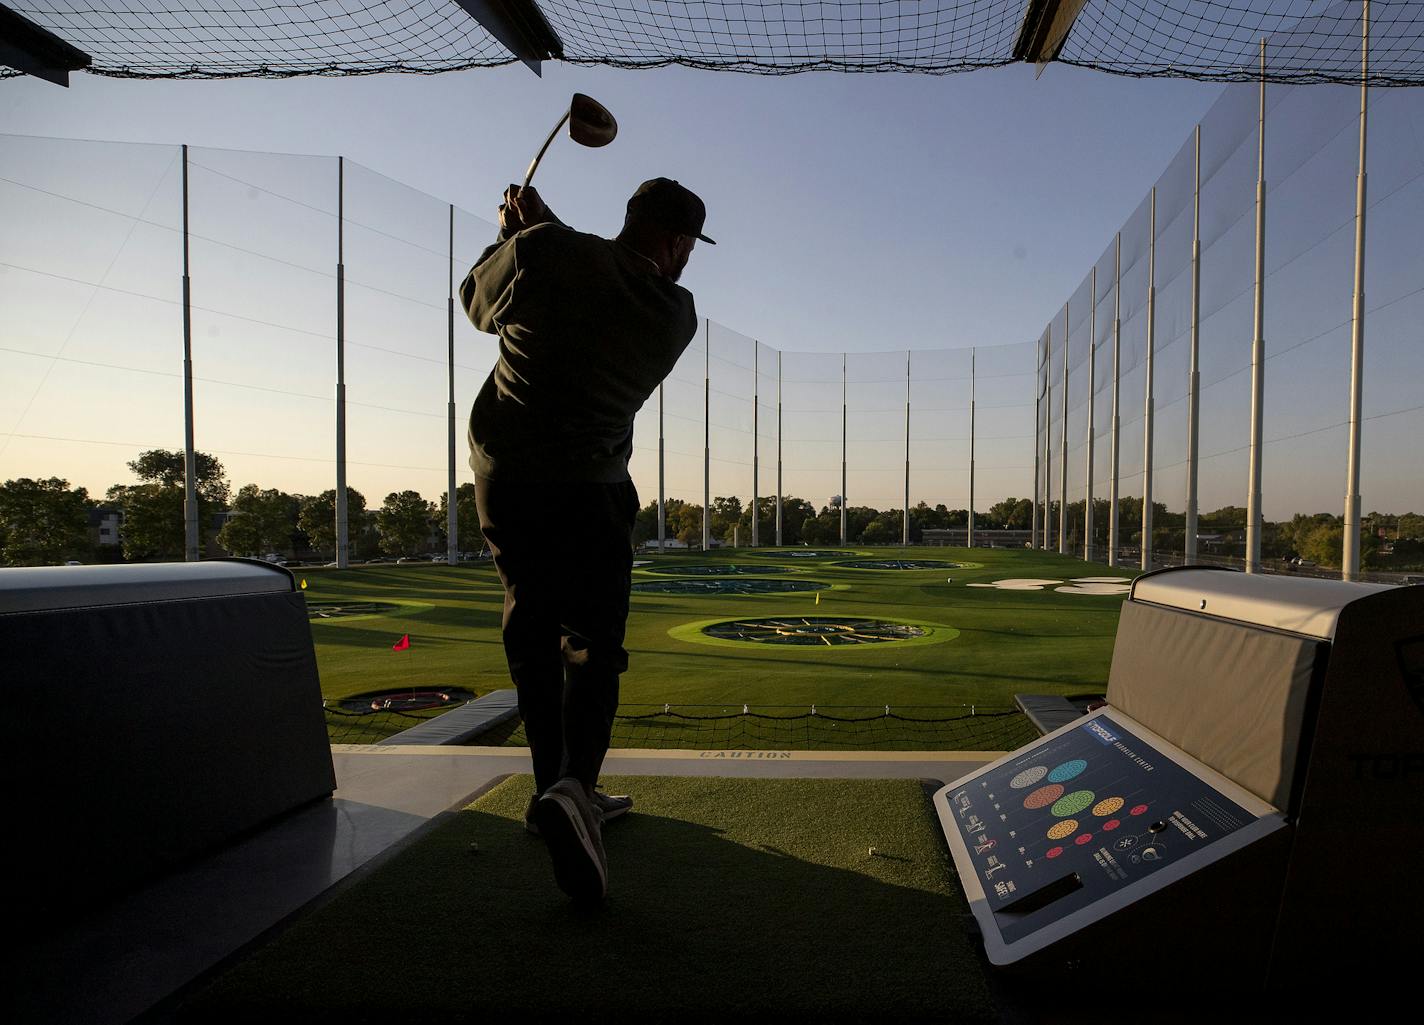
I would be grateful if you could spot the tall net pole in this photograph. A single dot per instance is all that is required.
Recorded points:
(1063, 449)
(1258, 342)
(706, 435)
(662, 474)
(778, 448)
(191, 548)
(1115, 442)
(1350, 564)
(843, 448)
(756, 440)
(1048, 439)
(1194, 379)
(1092, 380)
(343, 544)
(1149, 400)
(905, 518)
(1038, 419)
(969, 536)
(452, 519)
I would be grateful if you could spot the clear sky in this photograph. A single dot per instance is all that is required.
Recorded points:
(853, 213)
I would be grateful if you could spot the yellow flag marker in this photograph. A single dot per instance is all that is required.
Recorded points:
(304, 583)
(818, 597)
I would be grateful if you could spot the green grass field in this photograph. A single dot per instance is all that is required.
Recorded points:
(981, 645)
(729, 900)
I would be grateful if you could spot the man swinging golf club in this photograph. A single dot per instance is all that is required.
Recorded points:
(588, 327)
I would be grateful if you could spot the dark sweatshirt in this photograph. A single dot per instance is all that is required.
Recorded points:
(587, 329)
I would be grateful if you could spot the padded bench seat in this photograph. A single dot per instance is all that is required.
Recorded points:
(1047, 712)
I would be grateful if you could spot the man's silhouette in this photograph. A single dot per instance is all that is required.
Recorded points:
(588, 327)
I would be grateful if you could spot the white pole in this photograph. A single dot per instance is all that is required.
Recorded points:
(1063, 449)
(1194, 380)
(1115, 444)
(1034, 540)
(843, 449)
(756, 440)
(778, 448)
(1048, 440)
(905, 520)
(1350, 566)
(343, 543)
(1149, 398)
(452, 525)
(1092, 380)
(706, 435)
(972, 370)
(1258, 343)
(662, 475)
(191, 548)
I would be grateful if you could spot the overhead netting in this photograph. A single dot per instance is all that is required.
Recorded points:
(1313, 41)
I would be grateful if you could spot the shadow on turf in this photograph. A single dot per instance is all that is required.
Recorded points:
(697, 928)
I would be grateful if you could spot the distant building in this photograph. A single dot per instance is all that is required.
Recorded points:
(958, 537)
(106, 526)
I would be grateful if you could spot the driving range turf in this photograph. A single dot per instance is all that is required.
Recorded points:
(981, 645)
(729, 899)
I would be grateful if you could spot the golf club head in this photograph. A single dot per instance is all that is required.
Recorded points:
(590, 123)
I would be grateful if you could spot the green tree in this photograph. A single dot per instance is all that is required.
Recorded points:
(467, 518)
(153, 508)
(262, 521)
(726, 515)
(404, 522)
(165, 467)
(1014, 514)
(885, 529)
(42, 522)
(317, 519)
(1323, 545)
(153, 521)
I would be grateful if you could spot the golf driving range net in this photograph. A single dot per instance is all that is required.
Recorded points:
(1207, 39)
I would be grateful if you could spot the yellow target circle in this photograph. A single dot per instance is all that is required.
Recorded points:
(1061, 830)
(1107, 806)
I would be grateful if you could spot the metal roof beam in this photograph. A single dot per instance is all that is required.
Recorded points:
(37, 51)
(520, 26)
(1045, 28)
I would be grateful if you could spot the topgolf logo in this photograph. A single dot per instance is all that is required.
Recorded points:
(1101, 733)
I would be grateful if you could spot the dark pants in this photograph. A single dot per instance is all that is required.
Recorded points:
(565, 556)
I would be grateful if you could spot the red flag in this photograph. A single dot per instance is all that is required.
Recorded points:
(403, 644)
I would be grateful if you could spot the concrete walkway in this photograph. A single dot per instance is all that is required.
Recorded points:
(127, 957)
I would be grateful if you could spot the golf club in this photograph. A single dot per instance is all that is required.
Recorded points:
(590, 124)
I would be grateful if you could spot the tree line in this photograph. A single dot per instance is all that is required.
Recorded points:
(45, 521)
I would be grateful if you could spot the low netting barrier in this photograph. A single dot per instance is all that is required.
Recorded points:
(344, 727)
(815, 728)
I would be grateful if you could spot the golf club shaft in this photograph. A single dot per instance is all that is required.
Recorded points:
(534, 164)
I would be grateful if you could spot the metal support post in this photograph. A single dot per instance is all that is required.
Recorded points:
(452, 526)
(191, 549)
(1063, 449)
(843, 449)
(778, 448)
(706, 435)
(662, 474)
(969, 537)
(1194, 378)
(343, 539)
(1115, 443)
(1034, 540)
(1258, 343)
(1048, 440)
(756, 441)
(905, 519)
(1350, 566)
(1092, 380)
(1149, 399)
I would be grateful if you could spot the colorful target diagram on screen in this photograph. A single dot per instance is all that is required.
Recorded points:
(1083, 814)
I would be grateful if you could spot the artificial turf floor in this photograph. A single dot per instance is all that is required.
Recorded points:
(729, 900)
(985, 644)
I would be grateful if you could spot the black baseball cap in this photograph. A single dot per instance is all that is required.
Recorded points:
(667, 203)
